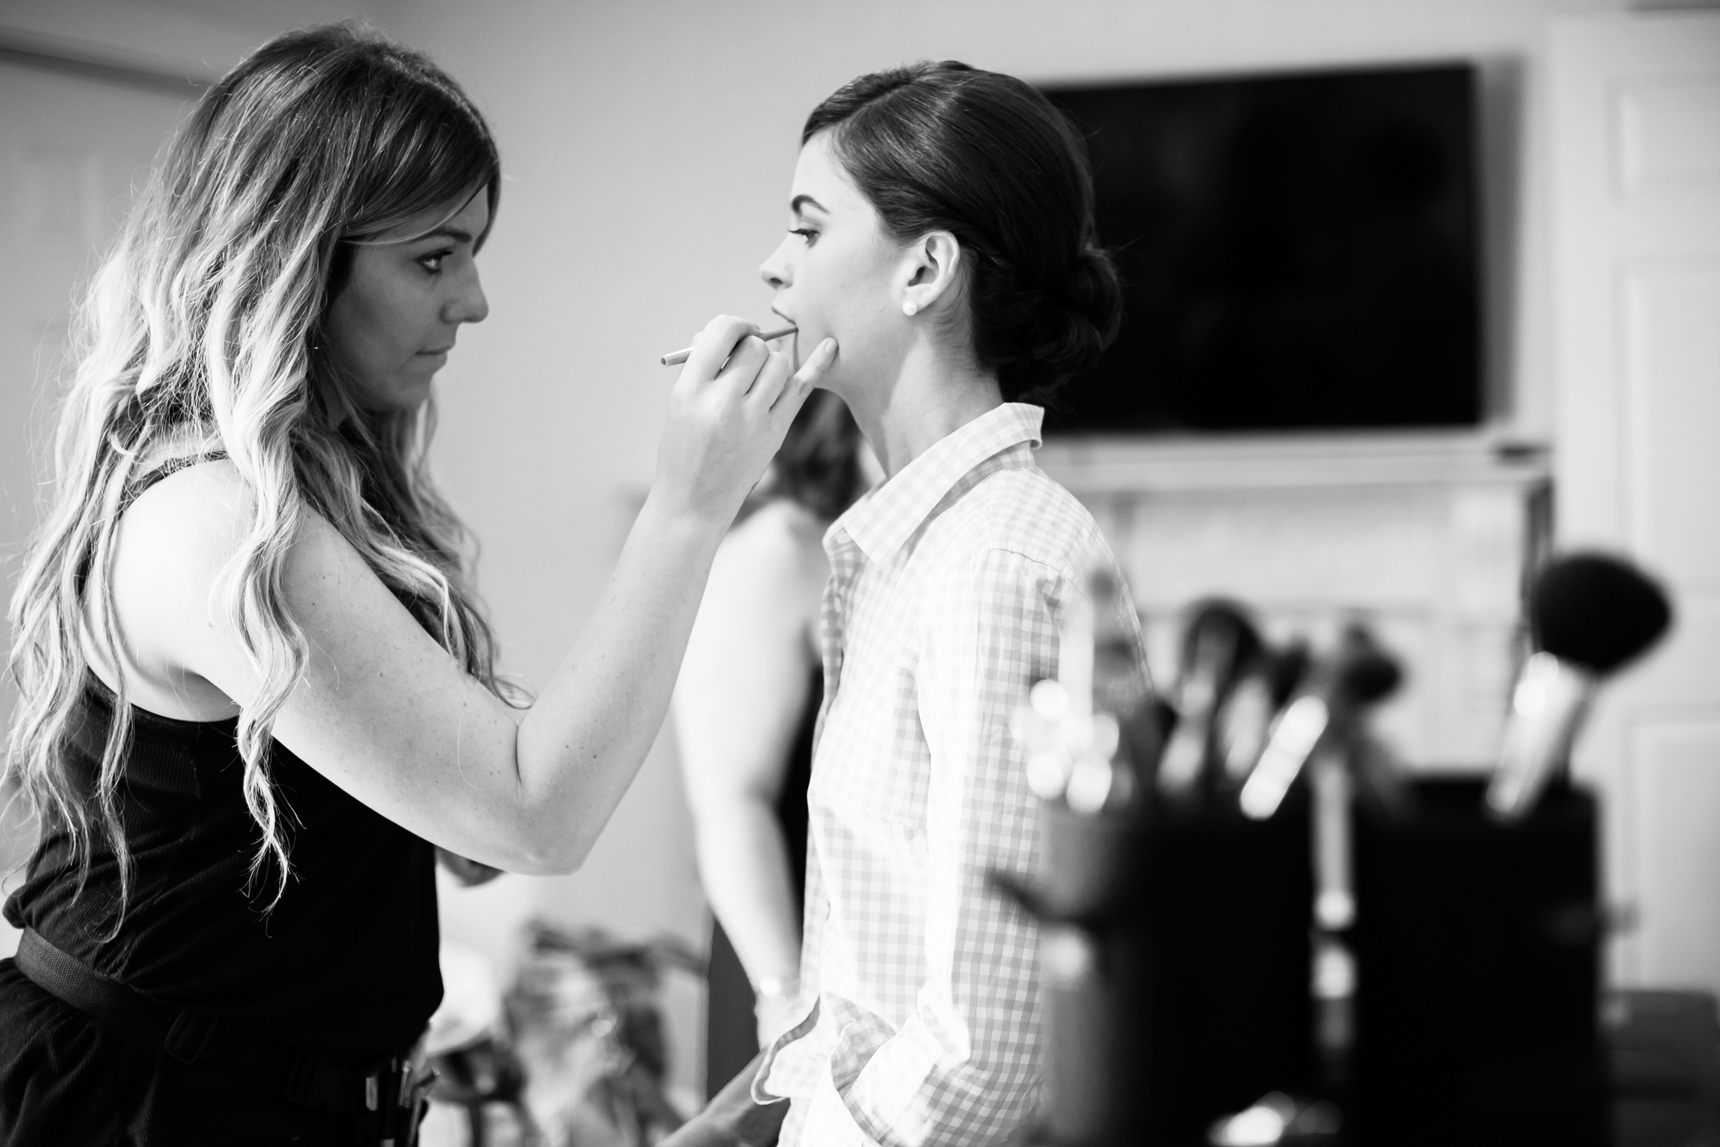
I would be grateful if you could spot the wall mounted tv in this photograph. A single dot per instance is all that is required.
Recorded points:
(1300, 252)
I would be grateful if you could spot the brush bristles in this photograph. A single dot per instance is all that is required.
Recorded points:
(1597, 611)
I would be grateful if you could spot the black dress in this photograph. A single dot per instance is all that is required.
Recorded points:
(731, 1031)
(344, 967)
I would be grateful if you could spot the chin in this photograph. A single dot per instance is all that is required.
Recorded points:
(399, 400)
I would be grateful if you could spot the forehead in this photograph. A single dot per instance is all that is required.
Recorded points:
(820, 174)
(470, 215)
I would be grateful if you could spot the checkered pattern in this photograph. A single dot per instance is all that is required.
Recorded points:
(920, 984)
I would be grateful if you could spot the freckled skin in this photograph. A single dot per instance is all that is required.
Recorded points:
(396, 317)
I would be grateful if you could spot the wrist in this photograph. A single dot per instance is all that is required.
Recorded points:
(775, 1007)
(681, 520)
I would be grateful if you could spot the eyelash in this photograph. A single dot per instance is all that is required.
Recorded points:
(434, 257)
(806, 233)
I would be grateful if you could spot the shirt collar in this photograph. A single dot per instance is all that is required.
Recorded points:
(885, 519)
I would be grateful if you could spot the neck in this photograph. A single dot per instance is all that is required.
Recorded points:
(932, 395)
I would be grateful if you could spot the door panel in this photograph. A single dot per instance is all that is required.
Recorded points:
(1666, 134)
(1672, 340)
(71, 150)
(1635, 103)
(1680, 851)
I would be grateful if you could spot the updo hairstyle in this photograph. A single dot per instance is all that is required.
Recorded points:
(947, 147)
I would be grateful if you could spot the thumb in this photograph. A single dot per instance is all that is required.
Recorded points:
(814, 368)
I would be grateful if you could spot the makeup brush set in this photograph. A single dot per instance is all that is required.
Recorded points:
(1259, 928)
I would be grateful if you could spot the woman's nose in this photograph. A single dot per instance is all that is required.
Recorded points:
(469, 305)
(774, 271)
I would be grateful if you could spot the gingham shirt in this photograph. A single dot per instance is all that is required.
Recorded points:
(947, 585)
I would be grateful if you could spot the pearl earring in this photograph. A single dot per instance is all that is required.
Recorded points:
(910, 308)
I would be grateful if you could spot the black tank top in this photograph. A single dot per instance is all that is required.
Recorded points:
(344, 966)
(791, 811)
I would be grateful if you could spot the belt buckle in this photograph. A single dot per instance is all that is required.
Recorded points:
(403, 1090)
(188, 1036)
(417, 1098)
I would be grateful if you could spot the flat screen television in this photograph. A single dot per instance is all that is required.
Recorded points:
(1300, 252)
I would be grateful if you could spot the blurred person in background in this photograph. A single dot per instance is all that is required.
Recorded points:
(256, 690)
(744, 712)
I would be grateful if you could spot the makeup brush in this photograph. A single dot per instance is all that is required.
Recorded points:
(1218, 640)
(1589, 614)
(1358, 675)
(1262, 688)
(676, 358)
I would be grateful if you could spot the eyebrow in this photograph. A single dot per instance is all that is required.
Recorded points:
(795, 204)
(453, 233)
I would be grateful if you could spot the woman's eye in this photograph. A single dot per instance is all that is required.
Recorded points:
(806, 233)
(433, 261)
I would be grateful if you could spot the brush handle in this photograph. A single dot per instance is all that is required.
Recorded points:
(1295, 735)
(676, 358)
(1548, 707)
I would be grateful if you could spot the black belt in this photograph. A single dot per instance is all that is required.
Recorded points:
(299, 1077)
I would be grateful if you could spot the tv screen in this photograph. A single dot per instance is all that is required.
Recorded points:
(1298, 252)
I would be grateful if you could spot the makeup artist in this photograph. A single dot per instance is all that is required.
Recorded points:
(256, 688)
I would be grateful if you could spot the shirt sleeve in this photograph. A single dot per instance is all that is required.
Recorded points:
(963, 1068)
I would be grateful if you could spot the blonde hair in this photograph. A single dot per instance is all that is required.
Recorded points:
(202, 332)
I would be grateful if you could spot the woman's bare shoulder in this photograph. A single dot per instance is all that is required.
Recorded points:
(174, 540)
(780, 533)
(207, 496)
(194, 515)
(185, 528)
(189, 524)
(774, 558)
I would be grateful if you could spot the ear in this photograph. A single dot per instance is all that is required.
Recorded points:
(932, 265)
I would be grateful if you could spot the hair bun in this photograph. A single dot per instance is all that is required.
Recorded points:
(1070, 327)
(1093, 292)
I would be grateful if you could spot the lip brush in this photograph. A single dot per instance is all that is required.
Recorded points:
(676, 358)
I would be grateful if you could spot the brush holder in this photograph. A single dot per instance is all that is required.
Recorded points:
(1477, 947)
(1176, 983)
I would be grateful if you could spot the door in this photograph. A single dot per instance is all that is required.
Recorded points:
(72, 146)
(1635, 105)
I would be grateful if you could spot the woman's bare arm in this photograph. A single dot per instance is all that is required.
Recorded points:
(387, 715)
(740, 700)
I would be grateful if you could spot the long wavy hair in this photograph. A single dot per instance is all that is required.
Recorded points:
(202, 331)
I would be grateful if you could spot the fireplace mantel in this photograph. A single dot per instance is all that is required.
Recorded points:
(1424, 535)
(1117, 464)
